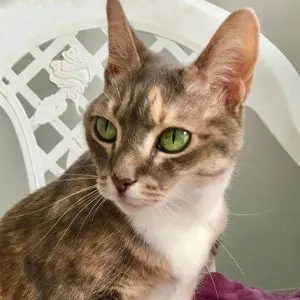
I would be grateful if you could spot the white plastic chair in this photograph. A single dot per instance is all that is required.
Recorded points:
(46, 59)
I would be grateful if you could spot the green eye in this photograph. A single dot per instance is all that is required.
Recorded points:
(173, 140)
(106, 131)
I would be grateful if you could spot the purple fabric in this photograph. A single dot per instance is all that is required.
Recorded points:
(218, 287)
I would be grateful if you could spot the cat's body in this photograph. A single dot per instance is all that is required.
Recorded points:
(138, 216)
(34, 259)
(88, 262)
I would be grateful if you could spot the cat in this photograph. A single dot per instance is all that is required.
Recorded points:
(139, 215)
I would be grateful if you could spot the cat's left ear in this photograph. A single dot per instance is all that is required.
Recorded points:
(227, 63)
(126, 51)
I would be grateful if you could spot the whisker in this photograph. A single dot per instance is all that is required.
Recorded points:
(252, 214)
(170, 212)
(75, 179)
(174, 205)
(52, 204)
(184, 200)
(69, 209)
(90, 201)
(213, 282)
(178, 205)
(234, 260)
(178, 198)
(82, 225)
(101, 202)
(80, 175)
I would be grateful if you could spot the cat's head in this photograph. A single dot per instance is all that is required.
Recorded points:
(158, 131)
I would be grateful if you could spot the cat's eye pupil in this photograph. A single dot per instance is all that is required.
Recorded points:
(105, 130)
(174, 136)
(173, 140)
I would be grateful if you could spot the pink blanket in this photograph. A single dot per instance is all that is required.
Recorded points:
(218, 287)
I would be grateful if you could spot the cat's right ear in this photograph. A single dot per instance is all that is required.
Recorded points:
(126, 51)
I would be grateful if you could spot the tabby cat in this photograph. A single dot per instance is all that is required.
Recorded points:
(138, 215)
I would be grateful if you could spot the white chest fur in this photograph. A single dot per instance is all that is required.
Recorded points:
(184, 237)
(187, 251)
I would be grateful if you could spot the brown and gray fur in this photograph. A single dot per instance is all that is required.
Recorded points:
(67, 241)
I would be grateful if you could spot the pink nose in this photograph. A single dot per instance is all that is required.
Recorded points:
(122, 184)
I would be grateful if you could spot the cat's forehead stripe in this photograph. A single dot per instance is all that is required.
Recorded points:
(156, 105)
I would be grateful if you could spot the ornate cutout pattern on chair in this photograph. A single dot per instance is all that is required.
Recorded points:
(55, 82)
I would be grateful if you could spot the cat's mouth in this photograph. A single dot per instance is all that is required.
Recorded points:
(123, 201)
(130, 201)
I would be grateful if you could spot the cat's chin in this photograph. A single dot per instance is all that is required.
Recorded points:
(125, 205)
(128, 208)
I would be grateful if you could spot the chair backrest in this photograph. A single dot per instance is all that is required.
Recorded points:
(52, 58)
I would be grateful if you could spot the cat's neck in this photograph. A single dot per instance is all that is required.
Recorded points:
(185, 231)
